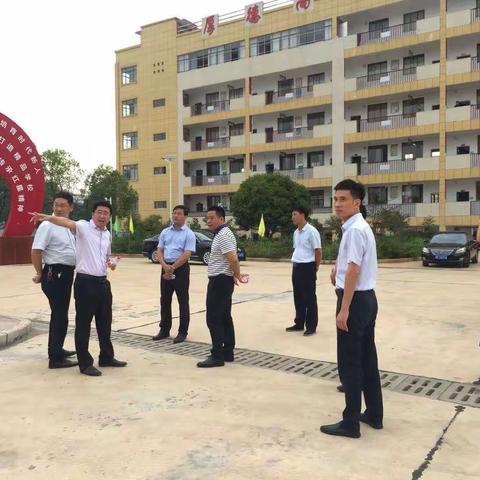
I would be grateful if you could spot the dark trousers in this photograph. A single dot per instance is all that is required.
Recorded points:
(219, 315)
(304, 279)
(57, 286)
(357, 359)
(180, 285)
(93, 298)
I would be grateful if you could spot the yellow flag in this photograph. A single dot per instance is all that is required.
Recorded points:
(261, 227)
(130, 225)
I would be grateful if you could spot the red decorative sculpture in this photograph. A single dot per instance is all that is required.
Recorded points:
(21, 166)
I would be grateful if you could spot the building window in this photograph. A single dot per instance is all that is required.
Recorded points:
(377, 112)
(129, 140)
(411, 63)
(135, 206)
(287, 162)
(130, 172)
(435, 152)
(413, 17)
(129, 107)
(317, 118)
(317, 199)
(377, 195)
(235, 93)
(129, 75)
(159, 102)
(159, 170)
(315, 79)
(236, 129)
(211, 56)
(295, 37)
(412, 150)
(285, 124)
(160, 204)
(236, 165)
(412, 193)
(377, 154)
(159, 136)
(315, 159)
(376, 70)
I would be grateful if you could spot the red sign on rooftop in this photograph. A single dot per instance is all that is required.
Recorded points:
(253, 14)
(21, 167)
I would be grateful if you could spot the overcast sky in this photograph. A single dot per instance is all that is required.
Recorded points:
(57, 66)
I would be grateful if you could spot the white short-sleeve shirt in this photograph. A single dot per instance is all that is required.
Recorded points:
(57, 244)
(357, 246)
(93, 248)
(305, 242)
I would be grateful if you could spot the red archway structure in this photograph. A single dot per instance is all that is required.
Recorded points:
(21, 167)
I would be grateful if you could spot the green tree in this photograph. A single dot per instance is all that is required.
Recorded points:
(390, 221)
(429, 228)
(273, 195)
(106, 182)
(334, 226)
(195, 224)
(62, 172)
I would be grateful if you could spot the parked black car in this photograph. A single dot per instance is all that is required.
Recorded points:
(202, 254)
(454, 248)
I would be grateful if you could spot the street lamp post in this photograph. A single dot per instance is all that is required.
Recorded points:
(169, 159)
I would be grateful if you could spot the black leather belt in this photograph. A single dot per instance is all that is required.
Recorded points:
(92, 277)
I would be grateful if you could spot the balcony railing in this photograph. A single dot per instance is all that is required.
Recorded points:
(288, 94)
(406, 209)
(387, 33)
(475, 15)
(474, 160)
(394, 166)
(474, 111)
(387, 78)
(198, 181)
(295, 134)
(475, 64)
(204, 145)
(320, 209)
(381, 123)
(218, 106)
(475, 208)
(298, 173)
(203, 213)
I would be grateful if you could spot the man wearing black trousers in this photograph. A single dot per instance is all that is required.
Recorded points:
(306, 259)
(93, 295)
(54, 247)
(175, 245)
(223, 275)
(356, 312)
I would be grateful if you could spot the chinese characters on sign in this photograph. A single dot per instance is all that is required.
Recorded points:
(21, 167)
(209, 26)
(253, 14)
(301, 6)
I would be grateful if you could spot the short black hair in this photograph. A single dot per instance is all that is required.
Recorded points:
(65, 195)
(301, 209)
(102, 203)
(220, 211)
(181, 207)
(355, 188)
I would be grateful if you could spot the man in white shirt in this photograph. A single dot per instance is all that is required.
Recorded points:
(306, 258)
(93, 295)
(53, 257)
(355, 276)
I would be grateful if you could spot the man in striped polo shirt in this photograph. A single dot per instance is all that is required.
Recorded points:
(223, 275)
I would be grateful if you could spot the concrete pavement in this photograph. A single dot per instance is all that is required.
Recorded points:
(161, 418)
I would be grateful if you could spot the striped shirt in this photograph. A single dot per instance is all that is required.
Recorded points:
(223, 242)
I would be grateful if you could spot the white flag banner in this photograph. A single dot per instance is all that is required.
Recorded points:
(302, 6)
(253, 14)
(209, 26)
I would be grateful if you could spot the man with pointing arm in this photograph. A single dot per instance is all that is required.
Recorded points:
(93, 296)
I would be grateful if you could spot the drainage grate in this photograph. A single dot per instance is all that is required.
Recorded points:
(435, 389)
(462, 393)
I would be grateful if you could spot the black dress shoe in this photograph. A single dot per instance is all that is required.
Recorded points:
(339, 430)
(179, 338)
(307, 333)
(112, 363)
(161, 335)
(229, 357)
(91, 371)
(341, 388)
(294, 328)
(365, 419)
(68, 353)
(210, 362)
(64, 363)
